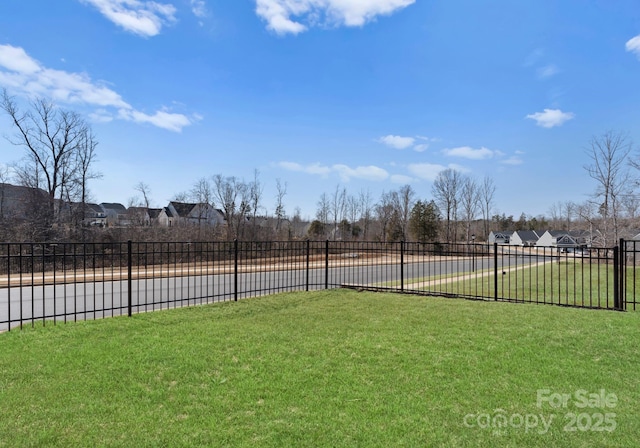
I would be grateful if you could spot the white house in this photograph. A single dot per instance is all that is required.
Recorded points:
(115, 213)
(182, 213)
(565, 239)
(500, 237)
(524, 238)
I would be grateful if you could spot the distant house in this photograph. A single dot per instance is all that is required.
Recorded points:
(183, 213)
(500, 237)
(567, 240)
(154, 215)
(524, 238)
(94, 216)
(138, 216)
(115, 213)
(17, 201)
(165, 217)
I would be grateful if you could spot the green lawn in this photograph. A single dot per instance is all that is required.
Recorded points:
(565, 282)
(331, 368)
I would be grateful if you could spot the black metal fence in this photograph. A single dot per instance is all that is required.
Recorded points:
(50, 283)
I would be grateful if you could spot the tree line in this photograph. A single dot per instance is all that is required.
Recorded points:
(58, 163)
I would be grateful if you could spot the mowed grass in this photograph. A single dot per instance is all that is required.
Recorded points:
(331, 368)
(563, 283)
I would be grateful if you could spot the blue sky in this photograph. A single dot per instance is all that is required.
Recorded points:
(362, 94)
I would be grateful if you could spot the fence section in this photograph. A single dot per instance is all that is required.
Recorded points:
(50, 283)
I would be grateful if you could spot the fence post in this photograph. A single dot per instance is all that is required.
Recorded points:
(623, 275)
(326, 264)
(235, 269)
(9, 289)
(616, 278)
(307, 275)
(55, 312)
(129, 282)
(495, 271)
(401, 266)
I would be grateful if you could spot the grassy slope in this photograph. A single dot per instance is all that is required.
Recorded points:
(336, 368)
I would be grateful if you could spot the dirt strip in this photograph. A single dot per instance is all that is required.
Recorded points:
(443, 281)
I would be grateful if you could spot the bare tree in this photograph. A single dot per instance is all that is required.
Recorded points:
(470, 202)
(353, 215)
(562, 214)
(366, 211)
(338, 207)
(281, 192)
(403, 202)
(144, 190)
(608, 156)
(386, 214)
(587, 212)
(231, 194)
(555, 213)
(53, 139)
(183, 196)
(446, 191)
(323, 210)
(85, 159)
(568, 212)
(487, 193)
(631, 204)
(202, 195)
(254, 192)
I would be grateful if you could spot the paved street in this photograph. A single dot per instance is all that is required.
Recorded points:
(91, 300)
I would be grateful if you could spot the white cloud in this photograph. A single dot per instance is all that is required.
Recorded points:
(361, 172)
(401, 179)
(633, 45)
(551, 117)
(199, 8)
(101, 116)
(513, 160)
(462, 169)
(397, 142)
(428, 171)
(23, 74)
(316, 168)
(17, 60)
(285, 16)
(467, 152)
(161, 119)
(345, 172)
(421, 147)
(547, 71)
(141, 17)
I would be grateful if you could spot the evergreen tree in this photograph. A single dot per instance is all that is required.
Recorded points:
(424, 221)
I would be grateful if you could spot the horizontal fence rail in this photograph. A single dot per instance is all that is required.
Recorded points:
(51, 283)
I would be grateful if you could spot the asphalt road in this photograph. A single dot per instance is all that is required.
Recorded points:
(45, 304)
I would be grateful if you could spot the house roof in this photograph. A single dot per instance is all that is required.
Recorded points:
(93, 207)
(154, 212)
(182, 208)
(503, 233)
(167, 212)
(136, 210)
(119, 208)
(18, 192)
(528, 235)
(572, 233)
